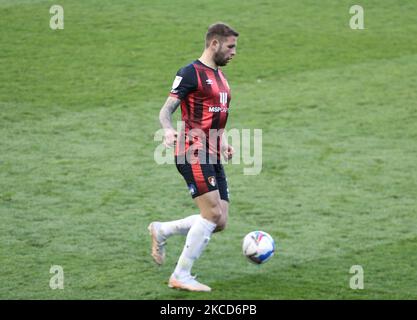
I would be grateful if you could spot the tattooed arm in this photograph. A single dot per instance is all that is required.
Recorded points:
(165, 118)
(165, 115)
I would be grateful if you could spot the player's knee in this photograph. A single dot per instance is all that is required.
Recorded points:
(213, 211)
(222, 223)
(216, 214)
(221, 226)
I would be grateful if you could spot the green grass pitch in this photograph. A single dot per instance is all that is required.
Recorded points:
(338, 111)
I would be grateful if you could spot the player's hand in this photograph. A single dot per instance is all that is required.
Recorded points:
(228, 151)
(170, 138)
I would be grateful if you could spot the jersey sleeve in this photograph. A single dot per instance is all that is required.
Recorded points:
(184, 83)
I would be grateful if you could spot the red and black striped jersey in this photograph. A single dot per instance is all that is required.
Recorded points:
(205, 98)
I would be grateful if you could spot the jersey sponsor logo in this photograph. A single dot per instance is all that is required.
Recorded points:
(223, 98)
(176, 82)
(212, 181)
(218, 109)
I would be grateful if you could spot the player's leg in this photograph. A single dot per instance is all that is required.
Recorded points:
(181, 226)
(197, 239)
(214, 208)
(207, 198)
(161, 231)
(166, 229)
(224, 196)
(221, 224)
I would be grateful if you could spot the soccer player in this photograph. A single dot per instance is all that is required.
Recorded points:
(204, 95)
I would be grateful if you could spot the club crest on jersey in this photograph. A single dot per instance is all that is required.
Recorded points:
(223, 98)
(212, 181)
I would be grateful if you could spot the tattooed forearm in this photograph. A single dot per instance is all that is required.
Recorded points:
(165, 115)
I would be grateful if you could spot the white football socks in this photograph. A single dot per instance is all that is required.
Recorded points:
(197, 239)
(181, 226)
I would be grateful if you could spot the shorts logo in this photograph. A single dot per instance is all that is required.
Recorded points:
(192, 189)
(212, 181)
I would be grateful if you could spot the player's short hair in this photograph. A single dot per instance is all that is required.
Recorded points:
(220, 31)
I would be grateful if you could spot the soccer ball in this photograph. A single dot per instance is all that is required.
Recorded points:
(258, 247)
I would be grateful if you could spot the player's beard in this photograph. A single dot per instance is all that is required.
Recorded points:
(219, 58)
